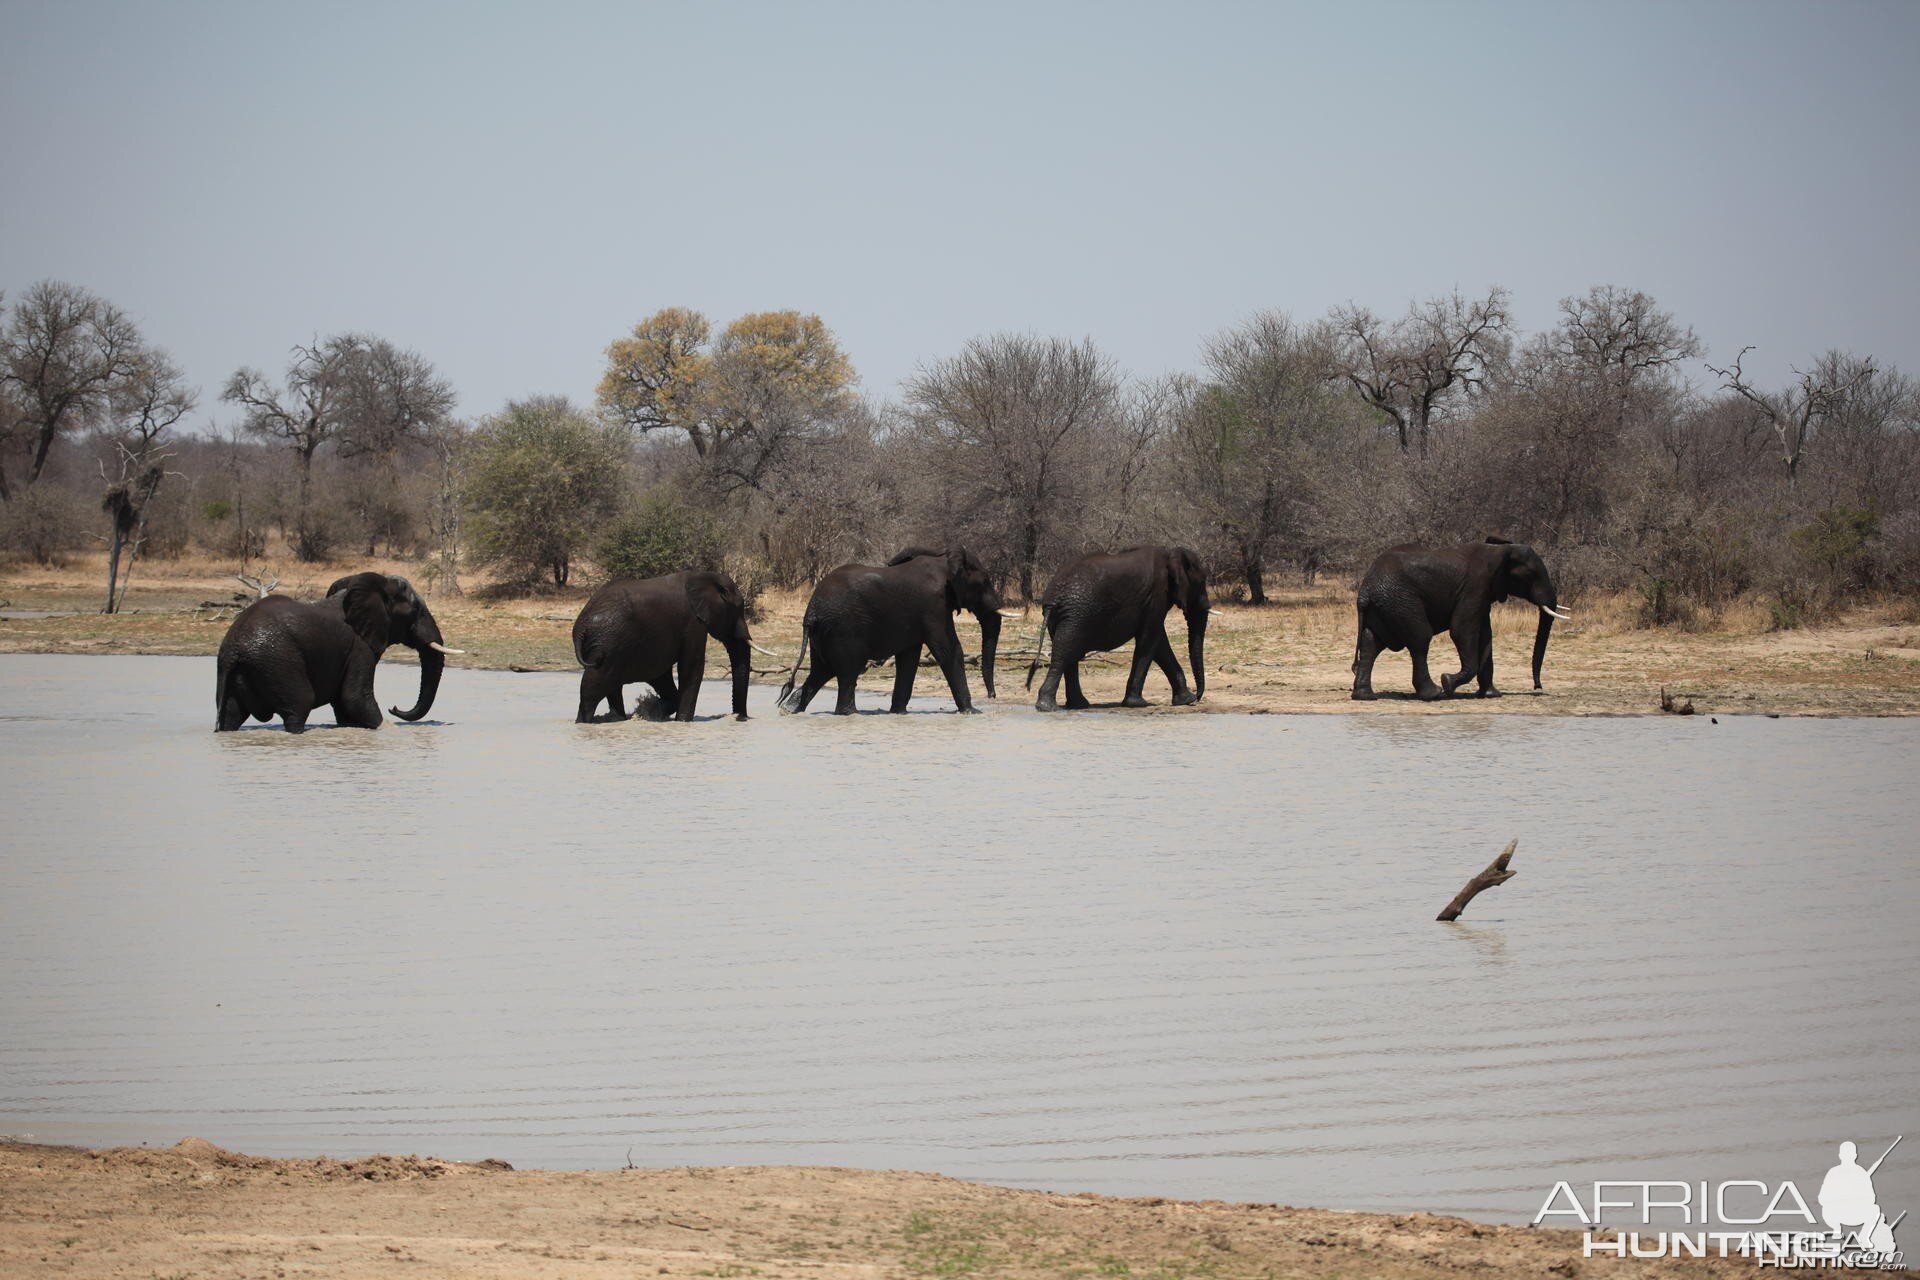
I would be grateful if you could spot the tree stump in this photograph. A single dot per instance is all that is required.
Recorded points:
(1495, 875)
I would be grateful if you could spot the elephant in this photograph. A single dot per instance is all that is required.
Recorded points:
(1412, 593)
(638, 629)
(862, 613)
(1104, 599)
(285, 657)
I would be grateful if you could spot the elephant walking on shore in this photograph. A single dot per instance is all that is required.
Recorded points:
(1102, 601)
(1413, 593)
(635, 630)
(861, 614)
(285, 657)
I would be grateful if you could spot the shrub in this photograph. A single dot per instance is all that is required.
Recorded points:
(660, 534)
(542, 477)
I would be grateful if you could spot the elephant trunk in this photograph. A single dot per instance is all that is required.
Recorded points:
(425, 640)
(1540, 644)
(740, 655)
(431, 665)
(1197, 649)
(989, 645)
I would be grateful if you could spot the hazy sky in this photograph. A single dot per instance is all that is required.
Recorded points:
(507, 188)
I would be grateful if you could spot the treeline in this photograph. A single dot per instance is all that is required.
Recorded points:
(1297, 447)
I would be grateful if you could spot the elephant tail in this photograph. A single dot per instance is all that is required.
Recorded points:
(786, 690)
(1039, 647)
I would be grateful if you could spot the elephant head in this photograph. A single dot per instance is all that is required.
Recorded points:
(722, 610)
(386, 610)
(1187, 590)
(969, 587)
(1522, 575)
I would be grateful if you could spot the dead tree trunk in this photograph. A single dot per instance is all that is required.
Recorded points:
(1495, 875)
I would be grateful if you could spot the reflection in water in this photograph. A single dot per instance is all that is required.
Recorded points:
(1489, 945)
(1183, 955)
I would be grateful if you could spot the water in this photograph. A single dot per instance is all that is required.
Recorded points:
(1177, 955)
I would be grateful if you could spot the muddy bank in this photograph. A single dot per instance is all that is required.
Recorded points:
(197, 1210)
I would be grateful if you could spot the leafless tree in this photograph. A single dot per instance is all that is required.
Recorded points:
(1248, 433)
(1797, 412)
(146, 407)
(354, 389)
(64, 353)
(1005, 422)
(1408, 369)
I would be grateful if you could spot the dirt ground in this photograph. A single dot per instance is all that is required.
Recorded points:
(195, 1210)
(1291, 656)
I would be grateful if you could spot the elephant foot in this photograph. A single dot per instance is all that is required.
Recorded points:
(1449, 683)
(739, 715)
(968, 710)
(1489, 692)
(1185, 699)
(1134, 700)
(1432, 693)
(1045, 704)
(1078, 704)
(1364, 695)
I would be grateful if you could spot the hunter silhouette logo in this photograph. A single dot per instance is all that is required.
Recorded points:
(1775, 1225)
(1847, 1201)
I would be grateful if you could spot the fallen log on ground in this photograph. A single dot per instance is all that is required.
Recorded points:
(1495, 875)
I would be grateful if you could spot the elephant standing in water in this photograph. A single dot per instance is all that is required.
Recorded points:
(1413, 593)
(1103, 600)
(861, 613)
(639, 629)
(284, 657)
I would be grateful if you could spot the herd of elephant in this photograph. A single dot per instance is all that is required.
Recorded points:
(283, 657)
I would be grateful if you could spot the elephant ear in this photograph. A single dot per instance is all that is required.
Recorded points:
(716, 602)
(1178, 562)
(364, 603)
(1495, 540)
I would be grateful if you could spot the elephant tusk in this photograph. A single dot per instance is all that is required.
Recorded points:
(1555, 612)
(757, 649)
(440, 648)
(1009, 613)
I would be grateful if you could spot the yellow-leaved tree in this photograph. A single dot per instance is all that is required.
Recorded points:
(744, 400)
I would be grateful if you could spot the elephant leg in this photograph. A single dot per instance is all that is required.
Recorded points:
(1170, 668)
(847, 681)
(816, 679)
(906, 664)
(668, 693)
(295, 718)
(1486, 662)
(1143, 647)
(1423, 686)
(693, 670)
(1365, 651)
(946, 652)
(593, 691)
(1076, 696)
(356, 706)
(1051, 686)
(233, 707)
(616, 701)
(1473, 639)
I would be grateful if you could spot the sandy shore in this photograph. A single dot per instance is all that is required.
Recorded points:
(195, 1210)
(1291, 656)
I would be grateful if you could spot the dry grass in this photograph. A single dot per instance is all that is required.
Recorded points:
(1290, 656)
(196, 1210)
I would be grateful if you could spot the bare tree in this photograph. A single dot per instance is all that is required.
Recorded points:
(1796, 413)
(64, 353)
(358, 390)
(1407, 369)
(147, 406)
(1248, 432)
(1005, 420)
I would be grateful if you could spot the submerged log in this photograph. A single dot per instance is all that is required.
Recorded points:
(1495, 875)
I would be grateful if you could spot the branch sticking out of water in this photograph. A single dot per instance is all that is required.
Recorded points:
(1493, 877)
